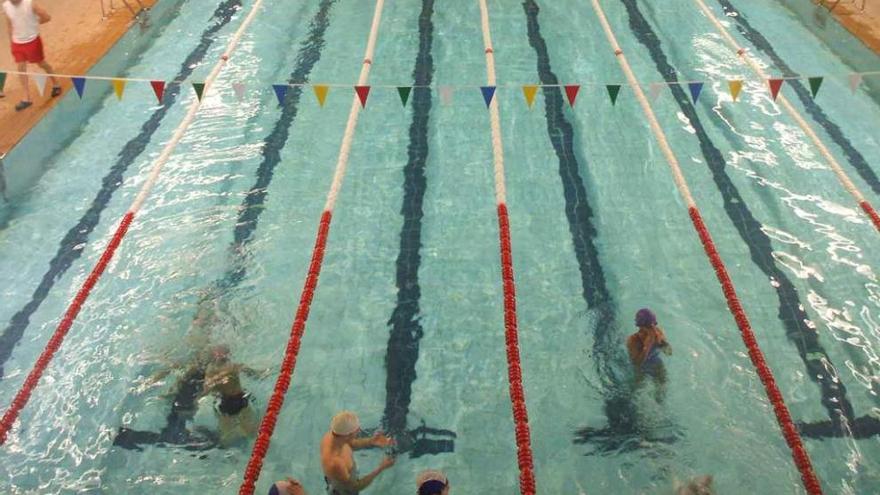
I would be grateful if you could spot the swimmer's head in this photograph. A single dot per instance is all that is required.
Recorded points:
(345, 423)
(432, 482)
(645, 318)
(289, 486)
(220, 352)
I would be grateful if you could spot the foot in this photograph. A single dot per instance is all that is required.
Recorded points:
(56, 91)
(22, 105)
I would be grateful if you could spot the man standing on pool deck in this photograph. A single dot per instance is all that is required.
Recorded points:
(644, 348)
(337, 455)
(23, 19)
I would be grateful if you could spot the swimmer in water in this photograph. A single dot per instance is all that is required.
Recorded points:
(337, 455)
(222, 377)
(645, 347)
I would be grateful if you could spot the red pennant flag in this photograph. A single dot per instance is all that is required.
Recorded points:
(363, 92)
(775, 86)
(159, 89)
(571, 92)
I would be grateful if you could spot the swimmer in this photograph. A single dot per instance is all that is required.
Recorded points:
(289, 486)
(432, 482)
(235, 415)
(337, 455)
(645, 347)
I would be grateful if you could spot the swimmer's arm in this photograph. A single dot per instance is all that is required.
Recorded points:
(378, 439)
(664, 344)
(42, 15)
(356, 485)
(255, 373)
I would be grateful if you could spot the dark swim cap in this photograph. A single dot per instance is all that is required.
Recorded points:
(432, 487)
(274, 490)
(645, 318)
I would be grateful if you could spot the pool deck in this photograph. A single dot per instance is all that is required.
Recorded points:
(74, 40)
(865, 25)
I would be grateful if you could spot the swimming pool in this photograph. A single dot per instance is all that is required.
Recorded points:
(407, 324)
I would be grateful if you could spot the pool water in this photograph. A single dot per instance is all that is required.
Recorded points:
(407, 325)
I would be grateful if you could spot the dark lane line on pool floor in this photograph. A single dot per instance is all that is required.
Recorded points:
(406, 329)
(818, 364)
(185, 402)
(624, 425)
(73, 243)
(854, 157)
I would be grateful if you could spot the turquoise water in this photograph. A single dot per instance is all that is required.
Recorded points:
(716, 418)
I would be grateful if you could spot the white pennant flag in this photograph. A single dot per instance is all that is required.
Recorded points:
(446, 95)
(854, 81)
(239, 90)
(40, 81)
(654, 90)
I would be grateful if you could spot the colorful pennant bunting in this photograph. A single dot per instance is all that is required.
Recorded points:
(775, 87)
(403, 92)
(815, 84)
(118, 87)
(613, 91)
(2, 81)
(854, 81)
(199, 88)
(529, 92)
(735, 87)
(363, 92)
(654, 90)
(238, 88)
(571, 92)
(79, 84)
(488, 94)
(696, 88)
(446, 95)
(40, 81)
(158, 89)
(321, 93)
(281, 92)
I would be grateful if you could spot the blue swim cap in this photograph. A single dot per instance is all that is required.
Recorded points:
(432, 487)
(274, 490)
(645, 318)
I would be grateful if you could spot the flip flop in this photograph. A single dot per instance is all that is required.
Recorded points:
(56, 91)
(22, 105)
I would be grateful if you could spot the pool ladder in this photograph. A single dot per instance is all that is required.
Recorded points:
(141, 14)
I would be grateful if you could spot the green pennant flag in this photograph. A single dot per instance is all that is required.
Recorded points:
(613, 91)
(2, 81)
(404, 91)
(200, 88)
(815, 84)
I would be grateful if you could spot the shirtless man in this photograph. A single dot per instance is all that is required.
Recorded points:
(236, 417)
(23, 19)
(337, 455)
(645, 347)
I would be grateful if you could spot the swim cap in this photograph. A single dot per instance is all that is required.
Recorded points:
(645, 318)
(283, 487)
(345, 423)
(274, 489)
(431, 482)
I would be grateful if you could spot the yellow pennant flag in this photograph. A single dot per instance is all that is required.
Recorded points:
(529, 92)
(321, 93)
(735, 88)
(118, 87)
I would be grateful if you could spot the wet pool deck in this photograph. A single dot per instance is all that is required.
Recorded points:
(74, 40)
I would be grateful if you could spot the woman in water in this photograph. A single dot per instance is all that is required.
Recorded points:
(645, 347)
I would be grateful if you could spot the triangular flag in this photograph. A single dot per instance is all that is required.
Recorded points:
(159, 89)
(571, 91)
(40, 81)
(654, 90)
(696, 88)
(613, 91)
(280, 92)
(488, 94)
(199, 89)
(735, 88)
(79, 84)
(815, 84)
(362, 92)
(529, 92)
(2, 81)
(775, 86)
(404, 91)
(854, 81)
(446, 95)
(321, 93)
(118, 87)
(239, 90)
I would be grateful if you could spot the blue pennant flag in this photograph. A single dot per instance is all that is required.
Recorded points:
(695, 88)
(280, 92)
(488, 94)
(79, 83)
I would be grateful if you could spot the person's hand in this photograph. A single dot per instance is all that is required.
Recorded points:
(381, 440)
(386, 463)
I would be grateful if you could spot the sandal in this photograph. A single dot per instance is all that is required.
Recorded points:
(56, 91)
(22, 105)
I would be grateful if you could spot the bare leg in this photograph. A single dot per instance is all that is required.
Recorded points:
(49, 70)
(660, 384)
(228, 429)
(248, 421)
(22, 67)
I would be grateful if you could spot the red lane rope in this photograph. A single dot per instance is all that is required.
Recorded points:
(33, 378)
(514, 369)
(871, 213)
(276, 401)
(783, 417)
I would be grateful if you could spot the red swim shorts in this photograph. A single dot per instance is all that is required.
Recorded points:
(31, 52)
